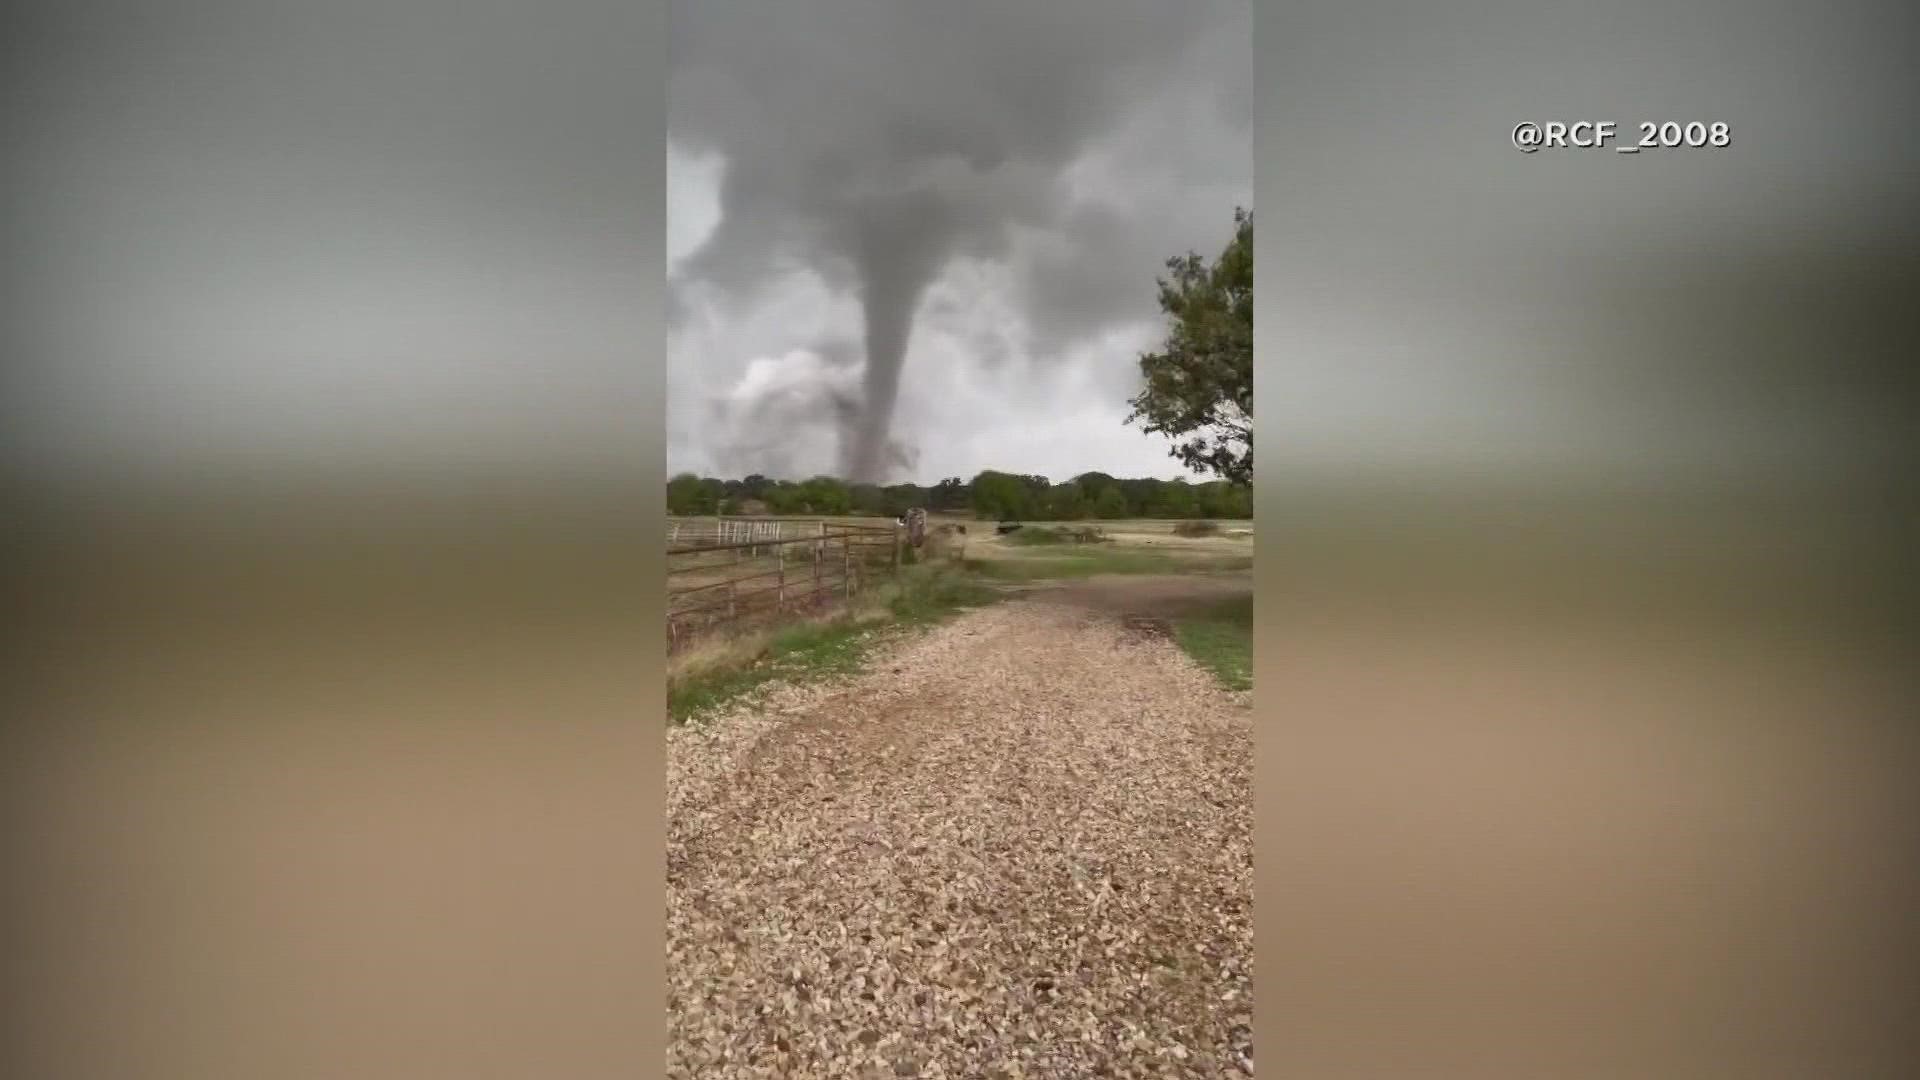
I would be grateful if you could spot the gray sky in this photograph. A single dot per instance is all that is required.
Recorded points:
(1012, 175)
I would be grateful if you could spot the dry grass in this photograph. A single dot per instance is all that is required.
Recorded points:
(740, 658)
(1131, 548)
(737, 592)
(1017, 846)
(735, 647)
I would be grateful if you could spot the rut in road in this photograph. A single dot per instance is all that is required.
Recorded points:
(1020, 845)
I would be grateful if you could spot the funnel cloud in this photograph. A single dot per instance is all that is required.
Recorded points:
(922, 179)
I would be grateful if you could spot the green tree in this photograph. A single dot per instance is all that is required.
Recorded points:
(1094, 484)
(1143, 495)
(1174, 499)
(992, 494)
(1002, 496)
(1068, 503)
(690, 496)
(785, 497)
(870, 499)
(1222, 499)
(683, 493)
(826, 495)
(901, 498)
(951, 493)
(1199, 386)
(1039, 500)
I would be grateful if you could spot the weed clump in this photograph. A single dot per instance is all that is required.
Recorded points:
(1036, 536)
(1033, 536)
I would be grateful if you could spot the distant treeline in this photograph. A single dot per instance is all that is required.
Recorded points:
(990, 495)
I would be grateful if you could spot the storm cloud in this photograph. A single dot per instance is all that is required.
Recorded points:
(1021, 170)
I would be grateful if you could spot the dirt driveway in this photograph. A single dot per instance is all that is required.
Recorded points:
(1019, 846)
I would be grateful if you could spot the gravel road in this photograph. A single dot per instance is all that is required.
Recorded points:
(1020, 846)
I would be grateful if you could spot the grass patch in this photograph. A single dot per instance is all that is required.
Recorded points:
(937, 596)
(1053, 536)
(1220, 639)
(811, 651)
(1034, 536)
(1088, 561)
(1074, 564)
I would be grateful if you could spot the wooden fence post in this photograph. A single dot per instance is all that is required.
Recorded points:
(780, 553)
(846, 566)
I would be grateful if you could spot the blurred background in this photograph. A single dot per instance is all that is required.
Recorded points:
(1585, 599)
(331, 413)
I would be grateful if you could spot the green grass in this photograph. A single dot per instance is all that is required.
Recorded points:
(1035, 536)
(937, 596)
(1089, 560)
(1220, 639)
(1056, 535)
(813, 651)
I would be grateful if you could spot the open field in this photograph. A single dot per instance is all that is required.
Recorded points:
(1163, 575)
(760, 572)
(1128, 547)
(795, 526)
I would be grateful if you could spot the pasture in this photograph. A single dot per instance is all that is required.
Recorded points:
(1043, 551)
(733, 582)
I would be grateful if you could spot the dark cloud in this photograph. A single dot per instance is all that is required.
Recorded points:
(764, 423)
(839, 352)
(873, 141)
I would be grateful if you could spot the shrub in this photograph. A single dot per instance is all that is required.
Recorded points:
(1030, 536)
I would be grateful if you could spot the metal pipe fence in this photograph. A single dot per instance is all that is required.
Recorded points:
(767, 571)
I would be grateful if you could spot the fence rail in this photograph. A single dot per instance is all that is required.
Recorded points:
(722, 571)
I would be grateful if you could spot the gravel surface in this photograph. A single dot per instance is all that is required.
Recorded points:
(1020, 846)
